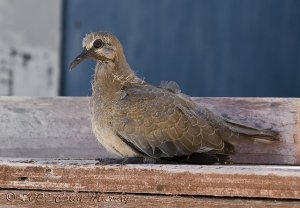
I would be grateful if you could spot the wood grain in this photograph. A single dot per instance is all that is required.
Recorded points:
(279, 114)
(45, 199)
(281, 182)
(59, 128)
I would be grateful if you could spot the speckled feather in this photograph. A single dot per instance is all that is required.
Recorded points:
(161, 123)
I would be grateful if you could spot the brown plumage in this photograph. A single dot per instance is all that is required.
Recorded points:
(133, 118)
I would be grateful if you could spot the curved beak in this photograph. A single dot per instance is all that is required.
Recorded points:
(81, 57)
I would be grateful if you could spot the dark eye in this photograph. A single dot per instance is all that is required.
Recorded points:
(98, 43)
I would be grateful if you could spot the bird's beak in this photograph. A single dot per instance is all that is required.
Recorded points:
(81, 57)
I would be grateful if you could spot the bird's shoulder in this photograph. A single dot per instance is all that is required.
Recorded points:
(166, 92)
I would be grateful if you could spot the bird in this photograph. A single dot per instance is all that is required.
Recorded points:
(132, 118)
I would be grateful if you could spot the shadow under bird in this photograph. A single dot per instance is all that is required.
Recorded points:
(132, 118)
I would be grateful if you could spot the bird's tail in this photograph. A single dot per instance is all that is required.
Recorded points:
(250, 134)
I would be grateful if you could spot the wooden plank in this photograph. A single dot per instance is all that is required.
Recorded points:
(47, 128)
(280, 114)
(59, 128)
(45, 199)
(282, 182)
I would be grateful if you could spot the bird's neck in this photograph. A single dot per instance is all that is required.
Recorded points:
(111, 76)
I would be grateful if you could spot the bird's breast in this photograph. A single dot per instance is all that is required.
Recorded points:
(101, 125)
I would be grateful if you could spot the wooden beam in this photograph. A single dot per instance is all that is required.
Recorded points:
(53, 199)
(280, 114)
(281, 182)
(59, 128)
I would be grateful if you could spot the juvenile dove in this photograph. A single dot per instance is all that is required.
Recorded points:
(132, 118)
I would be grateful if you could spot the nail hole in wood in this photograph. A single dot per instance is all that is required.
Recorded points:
(159, 187)
(22, 178)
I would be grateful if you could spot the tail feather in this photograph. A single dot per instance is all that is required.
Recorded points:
(255, 135)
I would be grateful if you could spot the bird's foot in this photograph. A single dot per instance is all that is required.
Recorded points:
(144, 160)
(107, 161)
(121, 161)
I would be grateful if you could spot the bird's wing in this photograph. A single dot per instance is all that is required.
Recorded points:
(159, 123)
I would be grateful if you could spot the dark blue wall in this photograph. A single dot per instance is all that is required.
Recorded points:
(210, 47)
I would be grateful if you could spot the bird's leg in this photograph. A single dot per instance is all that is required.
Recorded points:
(132, 160)
(149, 160)
(146, 160)
(122, 161)
(107, 161)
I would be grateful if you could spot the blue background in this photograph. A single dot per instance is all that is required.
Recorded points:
(210, 47)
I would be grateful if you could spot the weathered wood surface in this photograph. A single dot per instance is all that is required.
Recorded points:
(46, 199)
(280, 182)
(280, 114)
(59, 128)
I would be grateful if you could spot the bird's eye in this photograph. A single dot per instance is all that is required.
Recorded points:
(98, 43)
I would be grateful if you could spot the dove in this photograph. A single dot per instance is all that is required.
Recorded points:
(132, 118)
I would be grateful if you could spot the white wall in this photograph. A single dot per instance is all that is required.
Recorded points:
(30, 34)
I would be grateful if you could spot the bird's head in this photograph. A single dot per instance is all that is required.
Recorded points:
(100, 46)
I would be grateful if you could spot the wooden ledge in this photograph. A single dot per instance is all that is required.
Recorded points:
(281, 182)
(60, 128)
